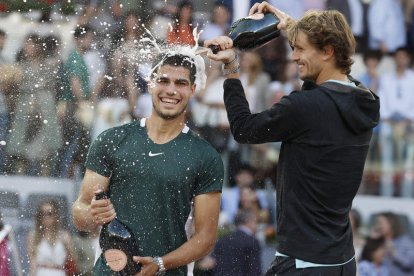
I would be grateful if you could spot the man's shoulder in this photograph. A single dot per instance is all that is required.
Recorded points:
(119, 131)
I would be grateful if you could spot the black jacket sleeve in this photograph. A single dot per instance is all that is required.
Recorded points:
(277, 123)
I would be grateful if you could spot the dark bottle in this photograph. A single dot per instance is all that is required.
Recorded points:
(252, 31)
(118, 246)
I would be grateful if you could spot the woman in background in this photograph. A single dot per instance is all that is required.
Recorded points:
(372, 258)
(49, 246)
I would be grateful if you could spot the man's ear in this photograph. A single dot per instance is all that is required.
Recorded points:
(193, 89)
(328, 51)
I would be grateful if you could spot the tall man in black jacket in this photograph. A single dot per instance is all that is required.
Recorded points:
(325, 131)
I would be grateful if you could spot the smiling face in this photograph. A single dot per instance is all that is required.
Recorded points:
(310, 60)
(171, 90)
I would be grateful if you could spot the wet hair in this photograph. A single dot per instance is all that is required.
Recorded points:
(327, 28)
(177, 60)
(371, 245)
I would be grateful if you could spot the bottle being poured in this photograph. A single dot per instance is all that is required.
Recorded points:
(252, 31)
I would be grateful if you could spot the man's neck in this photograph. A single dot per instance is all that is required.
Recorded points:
(332, 75)
(162, 131)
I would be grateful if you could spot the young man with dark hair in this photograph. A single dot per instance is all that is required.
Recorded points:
(158, 173)
(325, 131)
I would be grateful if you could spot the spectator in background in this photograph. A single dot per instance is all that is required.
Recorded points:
(219, 23)
(256, 88)
(288, 81)
(36, 135)
(397, 101)
(74, 108)
(10, 80)
(238, 8)
(358, 238)
(4, 249)
(353, 10)
(48, 244)
(370, 78)
(244, 177)
(208, 111)
(296, 8)
(386, 26)
(162, 18)
(255, 81)
(372, 259)
(116, 94)
(399, 247)
(126, 43)
(239, 253)
(3, 37)
(182, 30)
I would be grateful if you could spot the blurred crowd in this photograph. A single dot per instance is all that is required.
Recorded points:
(52, 105)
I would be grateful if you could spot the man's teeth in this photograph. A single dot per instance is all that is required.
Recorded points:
(171, 101)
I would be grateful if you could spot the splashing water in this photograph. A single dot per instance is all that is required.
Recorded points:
(148, 49)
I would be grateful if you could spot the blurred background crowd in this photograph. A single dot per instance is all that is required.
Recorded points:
(70, 70)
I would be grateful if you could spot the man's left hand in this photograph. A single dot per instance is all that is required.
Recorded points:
(149, 268)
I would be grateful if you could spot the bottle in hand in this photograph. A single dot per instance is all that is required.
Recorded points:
(252, 31)
(118, 246)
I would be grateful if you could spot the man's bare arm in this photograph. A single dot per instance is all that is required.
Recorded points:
(88, 213)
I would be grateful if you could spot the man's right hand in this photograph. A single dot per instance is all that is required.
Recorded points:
(102, 210)
(226, 53)
(265, 7)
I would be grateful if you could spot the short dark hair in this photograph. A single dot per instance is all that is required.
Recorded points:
(2, 33)
(243, 217)
(371, 245)
(177, 60)
(369, 54)
(246, 167)
(81, 31)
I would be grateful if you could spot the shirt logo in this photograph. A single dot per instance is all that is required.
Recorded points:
(154, 154)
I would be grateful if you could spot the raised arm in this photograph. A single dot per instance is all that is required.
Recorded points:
(87, 212)
(206, 214)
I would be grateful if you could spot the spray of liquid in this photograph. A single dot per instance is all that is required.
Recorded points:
(148, 49)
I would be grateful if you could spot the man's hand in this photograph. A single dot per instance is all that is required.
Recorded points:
(265, 7)
(226, 53)
(149, 268)
(102, 210)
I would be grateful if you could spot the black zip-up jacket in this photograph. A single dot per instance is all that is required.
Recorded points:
(325, 132)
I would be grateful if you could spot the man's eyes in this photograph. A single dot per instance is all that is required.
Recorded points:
(178, 83)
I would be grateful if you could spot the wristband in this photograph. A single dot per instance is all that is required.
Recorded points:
(231, 70)
(228, 63)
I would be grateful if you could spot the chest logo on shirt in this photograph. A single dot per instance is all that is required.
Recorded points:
(154, 154)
